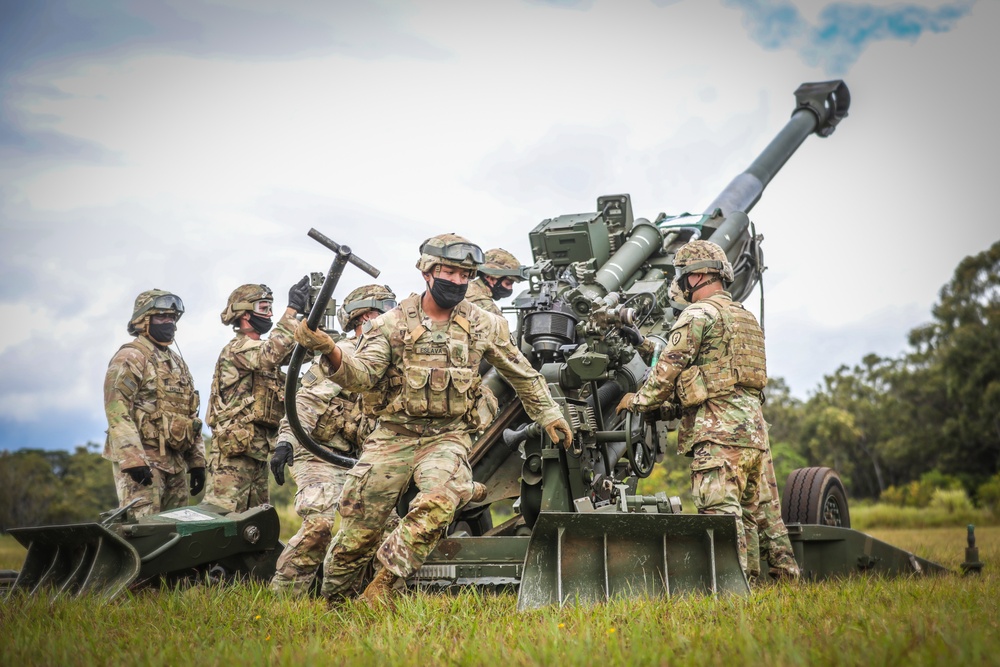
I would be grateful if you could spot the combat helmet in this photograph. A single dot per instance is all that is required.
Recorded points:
(362, 300)
(501, 264)
(242, 300)
(450, 249)
(153, 302)
(702, 257)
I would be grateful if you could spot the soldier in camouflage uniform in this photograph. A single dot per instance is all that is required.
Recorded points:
(154, 434)
(775, 547)
(418, 368)
(497, 276)
(333, 417)
(247, 400)
(715, 365)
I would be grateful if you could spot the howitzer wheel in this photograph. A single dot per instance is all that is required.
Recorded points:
(815, 496)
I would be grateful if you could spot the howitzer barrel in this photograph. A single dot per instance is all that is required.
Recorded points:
(820, 106)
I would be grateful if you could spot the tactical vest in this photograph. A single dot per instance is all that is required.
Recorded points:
(439, 377)
(170, 423)
(268, 391)
(738, 362)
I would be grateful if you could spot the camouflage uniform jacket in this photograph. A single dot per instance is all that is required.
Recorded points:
(713, 365)
(424, 375)
(149, 393)
(247, 401)
(328, 413)
(480, 294)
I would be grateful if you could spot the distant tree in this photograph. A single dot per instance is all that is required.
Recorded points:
(962, 347)
(40, 487)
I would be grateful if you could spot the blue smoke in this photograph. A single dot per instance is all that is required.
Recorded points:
(843, 30)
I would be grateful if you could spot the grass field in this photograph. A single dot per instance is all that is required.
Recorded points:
(929, 621)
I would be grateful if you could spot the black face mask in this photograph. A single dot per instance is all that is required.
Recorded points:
(163, 332)
(260, 324)
(500, 292)
(447, 294)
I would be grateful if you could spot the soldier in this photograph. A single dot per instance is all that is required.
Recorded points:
(247, 400)
(714, 362)
(418, 366)
(333, 418)
(775, 547)
(154, 433)
(497, 276)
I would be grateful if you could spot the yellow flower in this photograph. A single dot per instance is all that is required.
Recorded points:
(268, 638)
(611, 631)
(562, 625)
(257, 617)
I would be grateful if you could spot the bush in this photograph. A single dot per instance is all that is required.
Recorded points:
(921, 493)
(988, 495)
(953, 501)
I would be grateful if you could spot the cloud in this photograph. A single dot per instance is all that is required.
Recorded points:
(843, 30)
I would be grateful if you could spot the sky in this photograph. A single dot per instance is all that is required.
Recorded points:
(190, 145)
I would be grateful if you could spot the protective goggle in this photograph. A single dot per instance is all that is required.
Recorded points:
(520, 273)
(164, 302)
(381, 305)
(262, 307)
(457, 252)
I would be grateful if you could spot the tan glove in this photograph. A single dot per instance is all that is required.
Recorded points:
(317, 340)
(625, 403)
(559, 431)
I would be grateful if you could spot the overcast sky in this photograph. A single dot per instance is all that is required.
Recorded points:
(190, 146)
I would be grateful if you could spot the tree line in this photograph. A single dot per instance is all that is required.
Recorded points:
(893, 427)
(931, 414)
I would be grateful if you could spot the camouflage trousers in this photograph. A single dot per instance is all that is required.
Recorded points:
(317, 504)
(728, 480)
(236, 483)
(438, 466)
(775, 547)
(165, 493)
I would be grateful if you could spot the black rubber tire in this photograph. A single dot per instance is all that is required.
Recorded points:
(815, 496)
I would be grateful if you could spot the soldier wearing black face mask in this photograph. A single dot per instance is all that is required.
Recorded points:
(496, 279)
(154, 434)
(247, 400)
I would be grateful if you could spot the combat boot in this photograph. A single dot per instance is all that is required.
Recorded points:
(380, 591)
(478, 493)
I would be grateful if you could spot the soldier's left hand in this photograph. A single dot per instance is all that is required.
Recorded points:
(632, 335)
(298, 295)
(197, 477)
(626, 403)
(560, 432)
(317, 340)
(282, 456)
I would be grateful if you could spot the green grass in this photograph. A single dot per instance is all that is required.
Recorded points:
(912, 621)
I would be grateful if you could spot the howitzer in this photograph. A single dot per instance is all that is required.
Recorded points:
(581, 533)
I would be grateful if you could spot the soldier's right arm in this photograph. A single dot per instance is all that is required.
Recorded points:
(121, 386)
(361, 368)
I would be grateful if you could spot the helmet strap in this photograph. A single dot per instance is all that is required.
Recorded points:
(688, 291)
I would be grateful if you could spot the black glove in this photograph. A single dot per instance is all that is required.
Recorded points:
(282, 455)
(197, 477)
(632, 335)
(298, 295)
(140, 475)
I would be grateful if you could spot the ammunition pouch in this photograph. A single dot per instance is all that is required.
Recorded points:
(331, 422)
(438, 392)
(234, 439)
